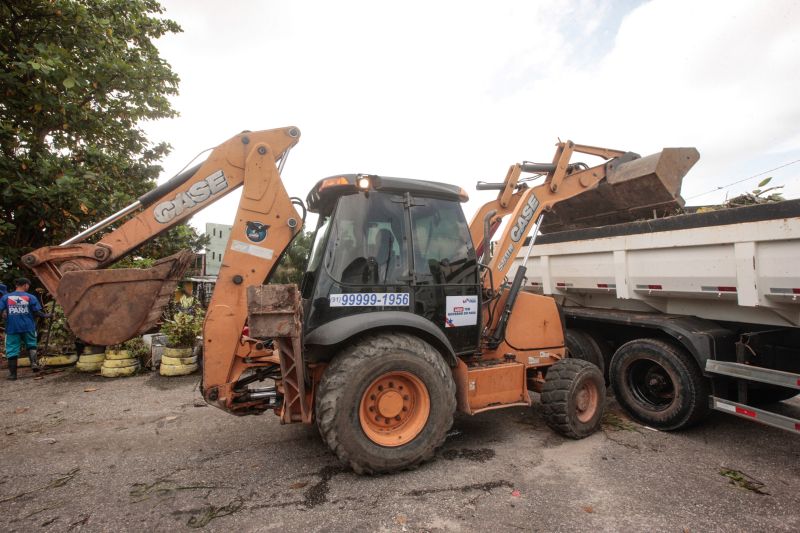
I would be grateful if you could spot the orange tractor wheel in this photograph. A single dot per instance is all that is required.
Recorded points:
(385, 403)
(394, 408)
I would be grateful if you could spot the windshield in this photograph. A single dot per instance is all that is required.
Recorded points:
(319, 243)
(365, 244)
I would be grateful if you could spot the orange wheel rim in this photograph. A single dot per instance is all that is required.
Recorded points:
(394, 409)
(586, 401)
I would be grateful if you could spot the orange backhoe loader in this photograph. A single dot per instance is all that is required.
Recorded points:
(404, 314)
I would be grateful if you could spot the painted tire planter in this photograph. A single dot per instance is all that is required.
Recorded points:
(165, 360)
(176, 370)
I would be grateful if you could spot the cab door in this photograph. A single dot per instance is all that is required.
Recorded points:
(445, 281)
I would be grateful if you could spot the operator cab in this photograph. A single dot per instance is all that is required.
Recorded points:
(387, 252)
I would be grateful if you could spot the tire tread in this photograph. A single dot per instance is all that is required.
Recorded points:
(556, 392)
(338, 375)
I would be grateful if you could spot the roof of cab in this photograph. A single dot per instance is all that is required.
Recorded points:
(322, 197)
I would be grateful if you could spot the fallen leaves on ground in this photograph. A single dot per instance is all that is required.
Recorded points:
(212, 512)
(744, 481)
(60, 481)
(160, 487)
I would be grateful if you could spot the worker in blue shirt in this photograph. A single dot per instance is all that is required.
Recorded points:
(3, 289)
(20, 306)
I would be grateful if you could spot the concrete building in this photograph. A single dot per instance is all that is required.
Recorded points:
(218, 239)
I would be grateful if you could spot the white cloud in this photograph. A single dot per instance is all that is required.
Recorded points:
(457, 91)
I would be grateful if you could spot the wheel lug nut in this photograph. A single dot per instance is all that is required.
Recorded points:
(372, 397)
(387, 420)
(391, 385)
(380, 387)
(405, 397)
(397, 418)
(371, 408)
(405, 408)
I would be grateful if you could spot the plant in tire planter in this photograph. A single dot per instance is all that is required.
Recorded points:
(123, 359)
(182, 331)
(136, 348)
(60, 342)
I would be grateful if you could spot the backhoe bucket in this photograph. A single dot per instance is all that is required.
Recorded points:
(106, 307)
(639, 189)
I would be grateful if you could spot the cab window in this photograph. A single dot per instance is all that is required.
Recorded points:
(443, 252)
(365, 246)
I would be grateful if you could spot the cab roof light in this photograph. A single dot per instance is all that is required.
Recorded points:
(333, 182)
(363, 182)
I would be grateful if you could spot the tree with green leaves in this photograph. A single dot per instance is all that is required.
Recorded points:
(292, 265)
(77, 78)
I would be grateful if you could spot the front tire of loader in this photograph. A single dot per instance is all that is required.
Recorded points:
(573, 398)
(386, 403)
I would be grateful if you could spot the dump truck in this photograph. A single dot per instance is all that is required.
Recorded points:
(686, 313)
(403, 316)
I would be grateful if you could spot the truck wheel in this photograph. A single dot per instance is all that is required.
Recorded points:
(385, 403)
(573, 398)
(581, 345)
(659, 384)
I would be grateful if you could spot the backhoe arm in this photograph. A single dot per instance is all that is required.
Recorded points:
(628, 176)
(625, 183)
(107, 307)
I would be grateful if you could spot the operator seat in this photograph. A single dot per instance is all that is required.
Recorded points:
(384, 240)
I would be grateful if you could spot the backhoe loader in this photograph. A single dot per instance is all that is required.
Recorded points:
(405, 313)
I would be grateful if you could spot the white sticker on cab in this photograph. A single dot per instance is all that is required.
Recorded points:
(461, 311)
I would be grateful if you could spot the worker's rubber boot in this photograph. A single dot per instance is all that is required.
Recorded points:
(12, 368)
(34, 360)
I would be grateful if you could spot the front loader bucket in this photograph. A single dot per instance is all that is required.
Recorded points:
(643, 188)
(105, 307)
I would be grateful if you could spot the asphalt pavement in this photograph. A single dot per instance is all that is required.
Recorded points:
(86, 453)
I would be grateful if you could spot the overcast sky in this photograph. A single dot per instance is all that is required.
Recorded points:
(457, 91)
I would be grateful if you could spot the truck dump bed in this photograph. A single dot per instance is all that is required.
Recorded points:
(740, 265)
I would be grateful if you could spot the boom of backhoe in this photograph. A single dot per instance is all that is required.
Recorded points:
(105, 307)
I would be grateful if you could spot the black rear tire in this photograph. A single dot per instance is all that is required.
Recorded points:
(582, 345)
(659, 384)
(573, 398)
(345, 382)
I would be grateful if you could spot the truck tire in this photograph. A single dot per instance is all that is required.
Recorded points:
(659, 384)
(386, 403)
(573, 398)
(581, 345)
